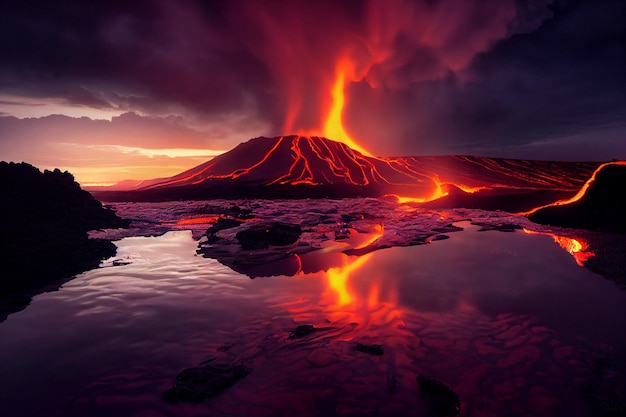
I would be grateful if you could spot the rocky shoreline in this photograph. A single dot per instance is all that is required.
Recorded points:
(45, 219)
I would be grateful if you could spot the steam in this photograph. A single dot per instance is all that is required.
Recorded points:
(391, 44)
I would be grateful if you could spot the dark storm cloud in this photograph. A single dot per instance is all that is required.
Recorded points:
(441, 76)
(566, 79)
(125, 53)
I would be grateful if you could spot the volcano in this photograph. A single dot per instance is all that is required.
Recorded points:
(316, 167)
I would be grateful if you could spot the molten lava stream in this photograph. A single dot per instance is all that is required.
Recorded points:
(441, 190)
(333, 127)
(197, 220)
(579, 194)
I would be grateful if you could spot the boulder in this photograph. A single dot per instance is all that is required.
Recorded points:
(376, 350)
(223, 223)
(194, 385)
(44, 218)
(444, 401)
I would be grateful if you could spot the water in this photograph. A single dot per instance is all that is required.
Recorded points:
(508, 320)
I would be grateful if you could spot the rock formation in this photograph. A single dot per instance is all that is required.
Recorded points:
(44, 219)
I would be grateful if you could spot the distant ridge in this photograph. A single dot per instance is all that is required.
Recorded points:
(315, 167)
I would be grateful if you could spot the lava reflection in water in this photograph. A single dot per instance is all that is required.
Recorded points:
(578, 248)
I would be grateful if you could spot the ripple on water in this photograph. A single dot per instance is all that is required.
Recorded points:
(487, 313)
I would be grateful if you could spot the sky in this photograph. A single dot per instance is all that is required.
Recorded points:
(145, 89)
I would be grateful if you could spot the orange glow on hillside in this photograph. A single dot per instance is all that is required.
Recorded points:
(578, 195)
(578, 248)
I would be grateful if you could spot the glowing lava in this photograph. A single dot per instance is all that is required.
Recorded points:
(197, 220)
(578, 248)
(580, 192)
(378, 232)
(441, 190)
(333, 127)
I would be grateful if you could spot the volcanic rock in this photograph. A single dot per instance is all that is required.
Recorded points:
(194, 385)
(351, 217)
(376, 350)
(223, 223)
(601, 207)
(263, 235)
(44, 218)
(444, 401)
(304, 330)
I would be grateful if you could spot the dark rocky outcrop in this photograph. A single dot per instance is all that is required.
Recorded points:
(444, 401)
(194, 385)
(376, 350)
(223, 223)
(263, 235)
(600, 208)
(44, 220)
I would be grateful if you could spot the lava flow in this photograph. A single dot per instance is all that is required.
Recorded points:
(580, 192)
(341, 167)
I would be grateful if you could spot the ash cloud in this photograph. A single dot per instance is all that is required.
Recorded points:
(441, 76)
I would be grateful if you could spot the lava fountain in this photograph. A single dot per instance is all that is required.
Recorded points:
(333, 127)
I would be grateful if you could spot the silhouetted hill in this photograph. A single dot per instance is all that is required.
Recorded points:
(44, 220)
(601, 207)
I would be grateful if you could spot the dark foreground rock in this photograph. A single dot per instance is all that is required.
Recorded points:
(600, 208)
(304, 330)
(263, 235)
(194, 385)
(376, 350)
(223, 223)
(44, 219)
(444, 401)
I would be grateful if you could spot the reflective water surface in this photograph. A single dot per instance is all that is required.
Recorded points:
(507, 320)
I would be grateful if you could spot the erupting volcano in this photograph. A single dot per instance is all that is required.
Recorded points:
(314, 167)
(309, 165)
